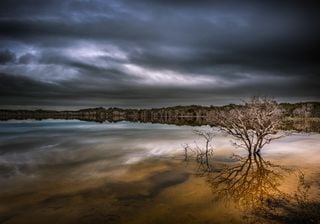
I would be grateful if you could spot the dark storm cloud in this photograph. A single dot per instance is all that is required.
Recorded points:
(153, 53)
(7, 56)
(27, 58)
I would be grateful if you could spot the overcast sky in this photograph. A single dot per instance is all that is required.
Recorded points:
(151, 53)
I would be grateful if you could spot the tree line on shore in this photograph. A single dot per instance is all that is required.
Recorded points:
(298, 116)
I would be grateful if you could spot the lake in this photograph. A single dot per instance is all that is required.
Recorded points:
(70, 171)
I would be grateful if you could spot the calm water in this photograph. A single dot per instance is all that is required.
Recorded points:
(57, 171)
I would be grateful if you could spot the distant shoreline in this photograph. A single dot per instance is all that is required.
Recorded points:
(298, 116)
(312, 105)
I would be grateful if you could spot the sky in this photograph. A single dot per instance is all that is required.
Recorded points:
(65, 54)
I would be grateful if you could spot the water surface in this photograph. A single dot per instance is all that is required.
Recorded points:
(57, 171)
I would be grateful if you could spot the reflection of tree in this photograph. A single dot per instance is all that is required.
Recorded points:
(249, 183)
(253, 184)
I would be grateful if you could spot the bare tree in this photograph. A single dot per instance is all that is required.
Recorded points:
(201, 153)
(254, 124)
(208, 136)
(187, 149)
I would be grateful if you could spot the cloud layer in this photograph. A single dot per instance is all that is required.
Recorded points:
(151, 53)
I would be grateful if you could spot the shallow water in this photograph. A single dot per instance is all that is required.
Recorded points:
(57, 171)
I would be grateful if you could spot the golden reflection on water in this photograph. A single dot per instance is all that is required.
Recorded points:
(155, 191)
(265, 188)
(249, 182)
